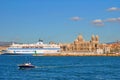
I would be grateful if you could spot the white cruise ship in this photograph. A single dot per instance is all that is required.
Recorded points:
(36, 48)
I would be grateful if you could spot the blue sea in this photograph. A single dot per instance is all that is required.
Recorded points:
(60, 68)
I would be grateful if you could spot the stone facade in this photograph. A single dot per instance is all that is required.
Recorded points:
(80, 45)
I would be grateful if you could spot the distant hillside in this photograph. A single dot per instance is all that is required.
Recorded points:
(113, 42)
(5, 43)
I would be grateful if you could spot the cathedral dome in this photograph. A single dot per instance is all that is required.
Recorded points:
(80, 38)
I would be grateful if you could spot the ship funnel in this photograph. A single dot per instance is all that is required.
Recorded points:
(40, 41)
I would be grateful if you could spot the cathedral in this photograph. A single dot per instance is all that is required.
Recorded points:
(80, 45)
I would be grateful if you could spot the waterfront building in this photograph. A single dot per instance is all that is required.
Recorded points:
(114, 47)
(80, 45)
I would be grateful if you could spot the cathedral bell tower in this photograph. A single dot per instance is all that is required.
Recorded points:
(95, 39)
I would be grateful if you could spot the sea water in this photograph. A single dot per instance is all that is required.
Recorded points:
(60, 68)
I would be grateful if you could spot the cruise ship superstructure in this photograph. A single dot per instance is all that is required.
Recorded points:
(36, 48)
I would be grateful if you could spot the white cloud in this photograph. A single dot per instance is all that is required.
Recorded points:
(113, 19)
(98, 22)
(113, 9)
(118, 19)
(76, 18)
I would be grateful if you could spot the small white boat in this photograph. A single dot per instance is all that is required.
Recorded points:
(25, 66)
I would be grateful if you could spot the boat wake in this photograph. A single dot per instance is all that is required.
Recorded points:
(65, 66)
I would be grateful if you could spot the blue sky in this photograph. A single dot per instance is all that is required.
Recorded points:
(59, 20)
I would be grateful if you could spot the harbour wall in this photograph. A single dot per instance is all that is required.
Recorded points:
(79, 54)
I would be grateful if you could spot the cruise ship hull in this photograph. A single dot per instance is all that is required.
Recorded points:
(32, 49)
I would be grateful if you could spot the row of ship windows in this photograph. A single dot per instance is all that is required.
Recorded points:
(35, 47)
